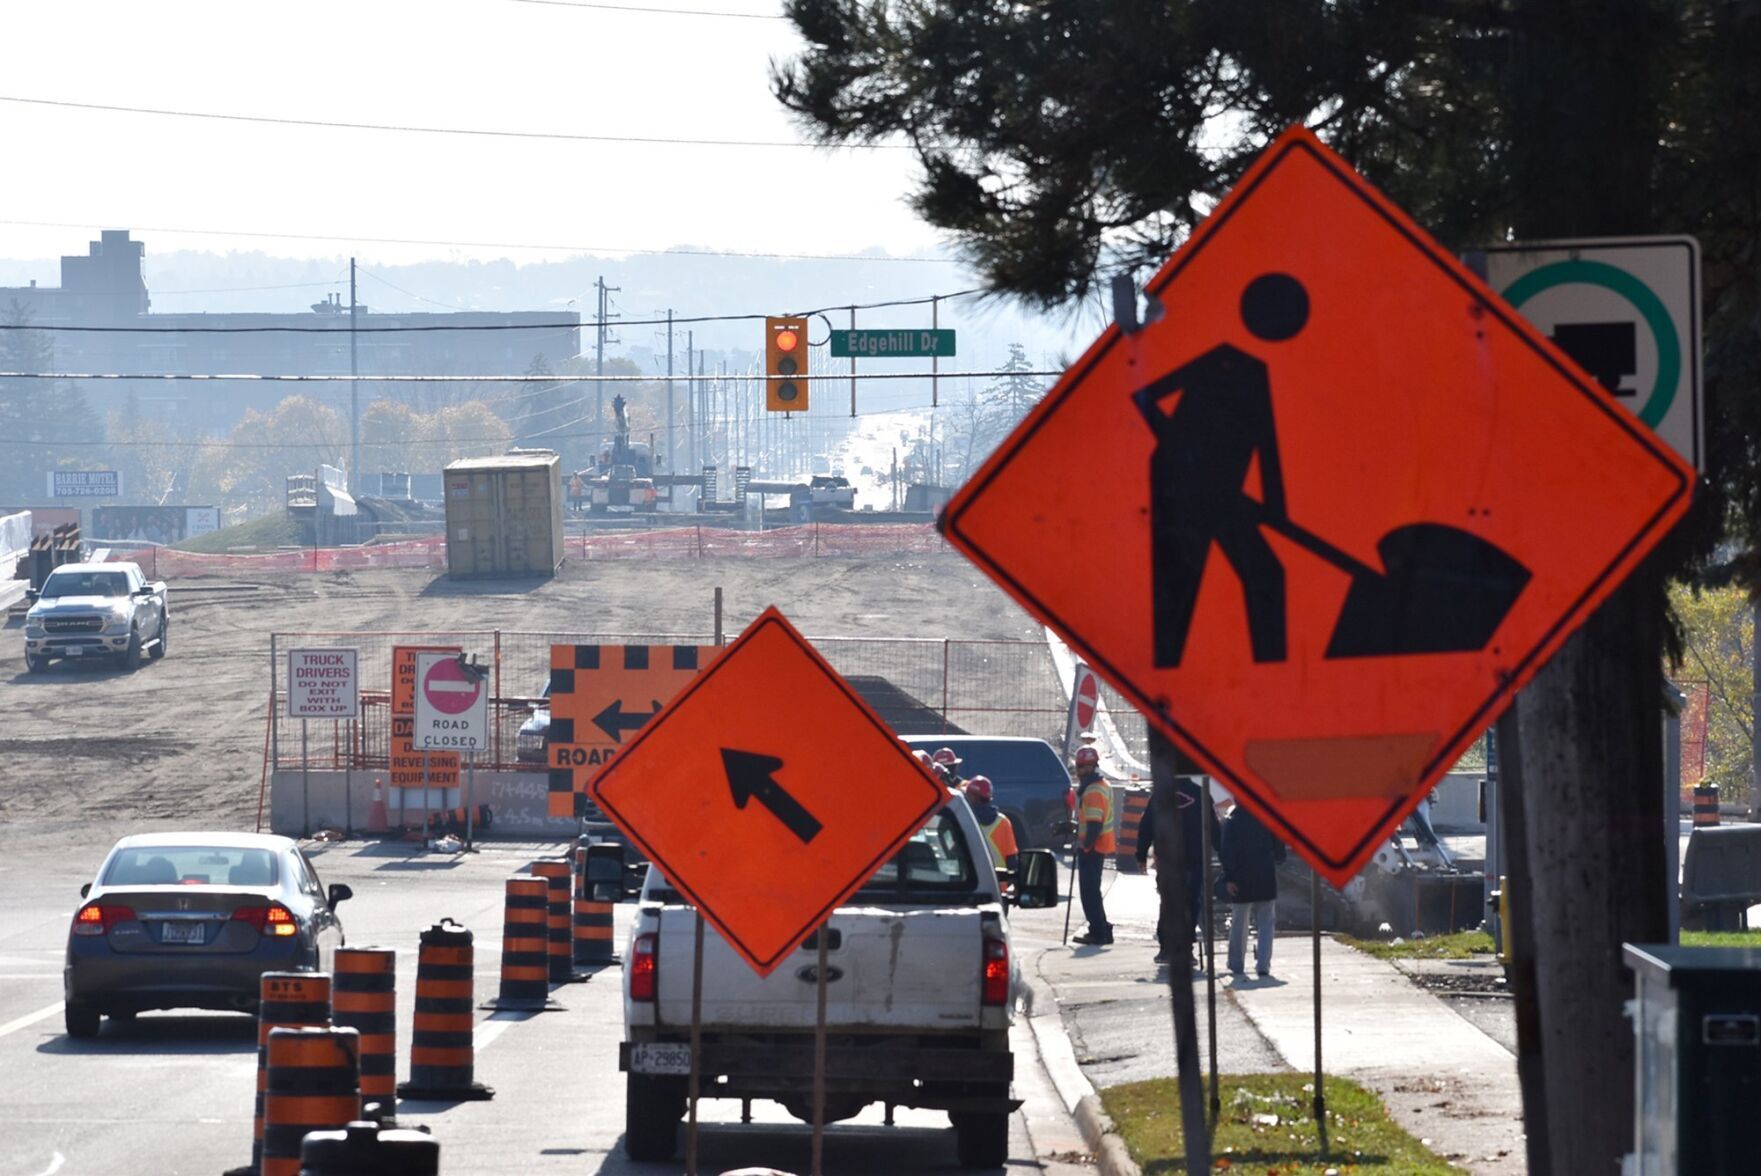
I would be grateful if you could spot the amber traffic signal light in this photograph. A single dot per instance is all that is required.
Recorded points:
(785, 364)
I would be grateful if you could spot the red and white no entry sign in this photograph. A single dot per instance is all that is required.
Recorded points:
(452, 705)
(1088, 694)
(448, 689)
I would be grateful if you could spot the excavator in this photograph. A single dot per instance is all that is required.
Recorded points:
(622, 479)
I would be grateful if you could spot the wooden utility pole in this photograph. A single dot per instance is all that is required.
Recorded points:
(1585, 737)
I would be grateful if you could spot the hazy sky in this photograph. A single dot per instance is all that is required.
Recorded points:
(510, 65)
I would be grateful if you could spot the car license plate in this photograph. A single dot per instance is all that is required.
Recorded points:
(660, 1057)
(74, 651)
(182, 932)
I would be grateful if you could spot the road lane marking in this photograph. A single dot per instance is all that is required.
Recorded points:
(30, 1019)
(54, 1165)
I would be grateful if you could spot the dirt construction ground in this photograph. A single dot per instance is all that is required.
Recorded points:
(88, 753)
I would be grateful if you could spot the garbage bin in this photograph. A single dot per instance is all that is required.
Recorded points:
(1697, 1065)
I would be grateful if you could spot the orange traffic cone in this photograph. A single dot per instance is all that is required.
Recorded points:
(376, 819)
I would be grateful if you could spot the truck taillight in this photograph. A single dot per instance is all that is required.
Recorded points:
(996, 971)
(644, 976)
(273, 919)
(96, 918)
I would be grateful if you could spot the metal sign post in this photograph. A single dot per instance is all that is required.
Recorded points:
(305, 783)
(1320, 1101)
(696, 1078)
(820, 969)
(470, 795)
(1205, 817)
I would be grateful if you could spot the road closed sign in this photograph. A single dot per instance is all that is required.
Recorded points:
(452, 704)
(322, 684)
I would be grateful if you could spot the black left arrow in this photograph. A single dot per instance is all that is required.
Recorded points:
(749, 778)
(614, 722)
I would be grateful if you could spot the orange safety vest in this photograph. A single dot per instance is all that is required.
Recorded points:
(1097, 809)
(999, 836)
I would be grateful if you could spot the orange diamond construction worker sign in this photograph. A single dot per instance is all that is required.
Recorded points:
(1349, 503)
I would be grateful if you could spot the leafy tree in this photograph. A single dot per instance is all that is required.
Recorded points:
(1063, 139)
(252, 465)
(1717, 649)
(48, 421)
(154, 467)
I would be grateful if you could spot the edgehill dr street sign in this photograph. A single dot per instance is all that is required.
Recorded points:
(767, 816)
(892, 344)
(1351, 503)
(1628, 310)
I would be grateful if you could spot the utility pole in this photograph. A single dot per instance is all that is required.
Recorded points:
(599, 362)
(354, 390)
(691, 402)
(672, 449)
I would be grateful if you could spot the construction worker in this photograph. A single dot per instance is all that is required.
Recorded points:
(999, 834)
(945, 758)
(1094, 843)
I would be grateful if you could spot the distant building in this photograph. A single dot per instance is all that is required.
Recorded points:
(106, 288)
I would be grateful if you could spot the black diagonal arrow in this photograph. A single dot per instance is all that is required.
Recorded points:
(749, 778)
(614, 722)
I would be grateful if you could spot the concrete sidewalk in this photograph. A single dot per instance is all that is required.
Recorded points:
(1442, 1078)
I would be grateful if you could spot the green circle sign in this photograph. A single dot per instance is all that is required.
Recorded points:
(1649, 306)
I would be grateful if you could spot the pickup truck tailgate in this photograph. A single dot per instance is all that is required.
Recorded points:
(913, 968)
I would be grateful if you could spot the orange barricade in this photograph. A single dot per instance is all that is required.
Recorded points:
(365, 1000)
(555, 873)
(1706, 805)
(442, 1053)
(285, 1000)
(314, 1085)
(592, 920)
(1133, 802)
(525, 947)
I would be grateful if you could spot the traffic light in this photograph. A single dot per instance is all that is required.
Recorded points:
(785, 364)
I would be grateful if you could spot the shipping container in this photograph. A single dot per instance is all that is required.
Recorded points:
(504, 515)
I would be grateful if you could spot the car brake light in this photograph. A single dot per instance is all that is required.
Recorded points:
(996, 971)
(643, 964)
(96, 918)
(273, 919)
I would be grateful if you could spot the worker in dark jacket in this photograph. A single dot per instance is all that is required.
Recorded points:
(1189, 795)
(1250, 877)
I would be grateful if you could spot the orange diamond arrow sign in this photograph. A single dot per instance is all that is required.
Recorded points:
(1352, 502)
(767, 791)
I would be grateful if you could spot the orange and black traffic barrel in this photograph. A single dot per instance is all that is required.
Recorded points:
(285, 1000)
(592, 920)
(314, 1085)
(442, 1051)
(555, 872)
(365, 1000)
(525, 947)
(1136, 800)
(367, 1149)
(1705, 805)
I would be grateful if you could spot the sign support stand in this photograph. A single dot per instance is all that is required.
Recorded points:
(1166, 762)
(348, 784)
(824, 936)
(470, 795)
(696, 1078)
(1320, 1100)
(1210, 954)
(305, 782)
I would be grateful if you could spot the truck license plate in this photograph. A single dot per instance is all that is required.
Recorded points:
(74, 651)
(660, 1057)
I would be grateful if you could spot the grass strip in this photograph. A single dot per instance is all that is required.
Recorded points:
(1267, 1129)
(1721, 938)
(1458, 946)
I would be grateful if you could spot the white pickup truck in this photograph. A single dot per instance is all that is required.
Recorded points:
(921, 988)
(93, 610)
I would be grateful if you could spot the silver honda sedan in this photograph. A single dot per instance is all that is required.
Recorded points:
(193, 920)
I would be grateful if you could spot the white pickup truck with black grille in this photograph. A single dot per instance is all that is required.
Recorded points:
(94, 611)
(921, 988)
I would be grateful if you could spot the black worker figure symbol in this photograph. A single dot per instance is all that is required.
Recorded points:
(1442, 590)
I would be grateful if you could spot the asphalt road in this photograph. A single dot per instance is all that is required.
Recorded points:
(172, 1093)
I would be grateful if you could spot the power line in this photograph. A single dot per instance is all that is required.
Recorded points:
(654, 11)
(476, 132)
(342, 328)
(242, 289)
(707, 378)
(594, 249)
(417, 297)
